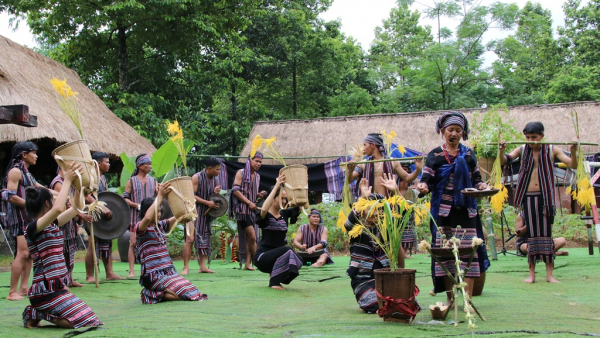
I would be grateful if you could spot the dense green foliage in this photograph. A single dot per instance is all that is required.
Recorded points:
(220, 66)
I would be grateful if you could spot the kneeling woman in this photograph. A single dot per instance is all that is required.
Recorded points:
(159, 277)
(49, 296)
(273, 256)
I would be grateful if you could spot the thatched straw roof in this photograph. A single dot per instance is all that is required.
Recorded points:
(327, 136)
(24, 79)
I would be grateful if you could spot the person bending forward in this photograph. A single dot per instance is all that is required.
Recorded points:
(159, 277)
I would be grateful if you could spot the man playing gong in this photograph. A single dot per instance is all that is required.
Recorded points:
(205, 183)
(103, 247)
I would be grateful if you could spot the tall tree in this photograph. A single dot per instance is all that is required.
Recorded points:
(527, 60)
(397, 43)
(450, 73)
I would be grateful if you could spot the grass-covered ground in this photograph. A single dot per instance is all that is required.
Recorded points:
(320, 303)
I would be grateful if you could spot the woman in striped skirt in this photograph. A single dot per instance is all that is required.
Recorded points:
(449, 169)
(49, 297)
(273, 256)
(159, 277)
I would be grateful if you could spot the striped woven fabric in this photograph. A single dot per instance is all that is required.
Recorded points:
(103, 247)
(466, 236)
(284, 263)
(202, 226)
(540, 246)
(152, 249)
(50, 273)
(335, 177)
(172, 281)
(16, 217)
(158, 272)
(546, 178)
(60, 305)
(365, 258)
(249, 189)
(139, 191)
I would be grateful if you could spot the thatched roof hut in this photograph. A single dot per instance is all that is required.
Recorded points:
(24, 79)
(329, 135)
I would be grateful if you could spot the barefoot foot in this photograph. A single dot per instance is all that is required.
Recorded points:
(249, 267)
(277, 287)
(14, 296)
(529, 280)
(205, 270)
(185, 271)
(90, 279)
(317, 265)
(131, 275)
(32, 323)
(75, 284)
(114, 277)
(551, 280)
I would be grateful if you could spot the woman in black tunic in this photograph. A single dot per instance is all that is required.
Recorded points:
(273, 256)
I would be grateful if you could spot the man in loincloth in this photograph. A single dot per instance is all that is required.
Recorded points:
(374, 147)
(103, 247)
(17, 178)
(534, 194)
(205, 182)
(521, 243)
(242, 206)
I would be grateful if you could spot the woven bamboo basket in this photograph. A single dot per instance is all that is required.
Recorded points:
(399, 284)
(296, 185)
(78, 151)
(181, 207)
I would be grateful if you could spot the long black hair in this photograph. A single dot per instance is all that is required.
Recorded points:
(35, 199)
(18, 150)
(145, 205)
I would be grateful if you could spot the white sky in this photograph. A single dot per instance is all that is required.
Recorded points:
(359, 19)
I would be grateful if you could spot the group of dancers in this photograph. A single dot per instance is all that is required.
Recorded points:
(43, 222)
(449, 169)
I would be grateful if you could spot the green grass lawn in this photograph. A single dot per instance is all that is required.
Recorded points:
(316, 305)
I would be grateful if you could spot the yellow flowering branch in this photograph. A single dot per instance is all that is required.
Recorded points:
(67, 101)
(177, 137)
(259, 142)
(584, 193)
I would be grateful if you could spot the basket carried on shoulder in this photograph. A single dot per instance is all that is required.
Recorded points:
(78, 151)
(181, 199)
(296, 185)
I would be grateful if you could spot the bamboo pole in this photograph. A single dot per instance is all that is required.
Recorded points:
(93, 248)
(541, 142)
(384, 160)
(268, 158)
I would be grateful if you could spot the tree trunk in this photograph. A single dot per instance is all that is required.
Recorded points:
(294, 90)
(233, 118)
(123, 57)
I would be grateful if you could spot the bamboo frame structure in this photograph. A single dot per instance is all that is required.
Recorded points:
(542, 142)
